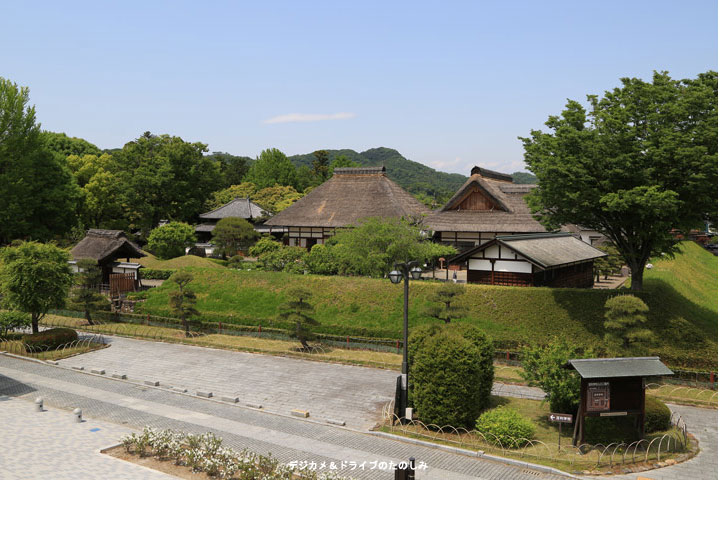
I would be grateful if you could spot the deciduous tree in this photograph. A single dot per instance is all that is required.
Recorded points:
(640, 162)
(34, 278)
(232, 235)
(170, 240)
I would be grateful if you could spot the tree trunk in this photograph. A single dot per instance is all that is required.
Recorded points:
(637, 269)
(87, 316)
(35, 321)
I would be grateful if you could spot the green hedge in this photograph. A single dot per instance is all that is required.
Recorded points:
(153, 273)
(49, 339)
(505, 426)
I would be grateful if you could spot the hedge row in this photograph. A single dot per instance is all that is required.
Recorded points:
(154, 273)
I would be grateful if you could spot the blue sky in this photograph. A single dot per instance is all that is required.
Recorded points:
(449, 84)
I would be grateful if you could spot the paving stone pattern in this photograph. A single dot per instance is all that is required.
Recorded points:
(353, 394)
(285, 438)
(50, 445)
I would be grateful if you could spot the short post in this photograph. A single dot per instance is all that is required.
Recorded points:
(405, 470)
(78, 415)
(39, 404)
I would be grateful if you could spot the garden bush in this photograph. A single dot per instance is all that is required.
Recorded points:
(264, 245)
(657, 415)
(169, 241)
(286, 259)
(505, 426)
(49, 339)
(451, 374)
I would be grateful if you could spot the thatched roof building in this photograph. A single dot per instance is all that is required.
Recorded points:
(487, 205)
(105, 247)
(351, 195)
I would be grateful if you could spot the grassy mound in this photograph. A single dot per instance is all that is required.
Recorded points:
(683, 316)
(186, 261)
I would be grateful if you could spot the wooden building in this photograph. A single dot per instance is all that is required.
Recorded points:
(531, 260)
(106, 247)
(489, 204)
(351, 195)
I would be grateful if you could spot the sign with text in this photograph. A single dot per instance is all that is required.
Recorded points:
(598, 396)
(562, 418)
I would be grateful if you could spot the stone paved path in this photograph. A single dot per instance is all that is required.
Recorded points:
(50, 445)
(353, 394)
(703, 424)
(287, 439)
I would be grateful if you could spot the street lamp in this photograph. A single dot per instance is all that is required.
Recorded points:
(404, 272)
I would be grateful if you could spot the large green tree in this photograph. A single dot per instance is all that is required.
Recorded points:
(68, 146)
(34, 278)
(640, 162)
(38, 195)
(373, 247)
(232, 235)
(272, 167)
(170, 240)
(165, 177)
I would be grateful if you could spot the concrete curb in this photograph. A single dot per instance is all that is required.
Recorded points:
(476, 454)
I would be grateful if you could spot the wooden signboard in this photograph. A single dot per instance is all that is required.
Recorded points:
(598, 396)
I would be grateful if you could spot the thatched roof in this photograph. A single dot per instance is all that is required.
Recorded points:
(351, 195)
(242, 208)
(543, 250)
(104, 245)
(509, 213)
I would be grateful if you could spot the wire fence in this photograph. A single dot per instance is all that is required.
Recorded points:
(585, 456)
(84, 343)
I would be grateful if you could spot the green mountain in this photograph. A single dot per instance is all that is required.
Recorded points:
(418, 179)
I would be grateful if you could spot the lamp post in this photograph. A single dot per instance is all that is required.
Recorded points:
(405, 272)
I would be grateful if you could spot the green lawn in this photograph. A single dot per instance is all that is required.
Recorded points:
(681, 293)
(186, 261)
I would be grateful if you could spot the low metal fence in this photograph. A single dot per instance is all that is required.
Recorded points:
(45, 352)
(584, 456)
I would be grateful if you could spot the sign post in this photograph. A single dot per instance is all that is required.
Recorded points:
(560, 419)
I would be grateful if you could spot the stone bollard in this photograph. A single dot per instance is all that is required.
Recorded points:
(39, 404)
(78, 415)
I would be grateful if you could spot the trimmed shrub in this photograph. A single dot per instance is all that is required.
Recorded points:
(505, 426)
(451, 374)
(154, 273)
(657, 415)
(264, 245)
(169, 241)
(49, 339)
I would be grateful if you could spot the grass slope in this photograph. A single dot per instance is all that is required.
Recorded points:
(186, 261)
(683, 316)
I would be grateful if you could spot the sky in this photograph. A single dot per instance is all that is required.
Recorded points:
(448, 84)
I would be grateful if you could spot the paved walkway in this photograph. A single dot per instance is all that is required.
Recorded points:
(703, 424)
(285, 438)
(50, 445)
(351, 394)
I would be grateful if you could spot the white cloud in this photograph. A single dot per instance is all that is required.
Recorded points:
(445, 164)
(303, 117)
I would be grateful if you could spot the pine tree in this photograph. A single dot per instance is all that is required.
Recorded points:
(298, 312)
(625, 319)
(182, 301)
(86, 296)
(447, 303)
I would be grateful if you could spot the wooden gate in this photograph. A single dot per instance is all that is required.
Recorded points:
(120, 283)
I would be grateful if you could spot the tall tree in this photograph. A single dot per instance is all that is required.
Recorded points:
(38, 195)
(640, 162)
(170, 240)
(34, 278)
(321, 165)
(69, 146)
(272, 167)
(85, 296)
(165, 177)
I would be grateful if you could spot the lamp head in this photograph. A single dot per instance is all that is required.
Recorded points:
(395, 276)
